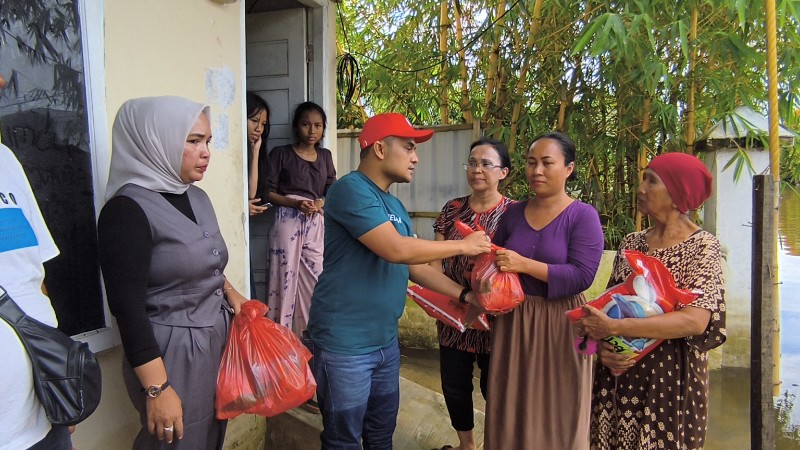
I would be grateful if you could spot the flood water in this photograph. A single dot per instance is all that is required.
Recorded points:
(729, 408)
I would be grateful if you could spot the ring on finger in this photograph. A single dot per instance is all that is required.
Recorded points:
(169, 429)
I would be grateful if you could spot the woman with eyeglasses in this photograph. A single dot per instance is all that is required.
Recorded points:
(489, 163)
(539, 386)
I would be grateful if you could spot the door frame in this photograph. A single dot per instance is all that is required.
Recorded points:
(321, 82)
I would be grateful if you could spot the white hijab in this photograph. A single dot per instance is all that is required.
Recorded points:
(147, 143)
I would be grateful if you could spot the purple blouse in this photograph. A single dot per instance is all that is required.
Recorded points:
(289, 174)
(571, 245)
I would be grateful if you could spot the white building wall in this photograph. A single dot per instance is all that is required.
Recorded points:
(729, 215)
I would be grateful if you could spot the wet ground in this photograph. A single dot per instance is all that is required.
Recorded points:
(729, 409)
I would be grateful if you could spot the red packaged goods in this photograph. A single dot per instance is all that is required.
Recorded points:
(649, 290)
(497, 292)
(264, 368)
(446, 309)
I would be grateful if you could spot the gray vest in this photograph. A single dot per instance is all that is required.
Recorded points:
(185, 285)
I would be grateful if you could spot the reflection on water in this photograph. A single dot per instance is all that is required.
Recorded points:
(789, 269)
(729, 408)
(789, 222)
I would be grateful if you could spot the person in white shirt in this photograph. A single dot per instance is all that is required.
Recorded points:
(25, 244)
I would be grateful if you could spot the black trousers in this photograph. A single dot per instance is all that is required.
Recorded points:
(456, 368)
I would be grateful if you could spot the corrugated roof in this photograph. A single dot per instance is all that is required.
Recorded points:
(740, 123)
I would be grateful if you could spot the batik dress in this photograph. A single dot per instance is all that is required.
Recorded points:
(457, 268)
(662, 401)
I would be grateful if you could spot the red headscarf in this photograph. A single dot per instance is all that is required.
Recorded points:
(686, 177)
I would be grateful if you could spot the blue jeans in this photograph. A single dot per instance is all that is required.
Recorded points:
(359, 397)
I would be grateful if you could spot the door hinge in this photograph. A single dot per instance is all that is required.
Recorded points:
(309, 53)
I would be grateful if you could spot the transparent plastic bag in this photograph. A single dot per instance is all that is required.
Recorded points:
(264, 368)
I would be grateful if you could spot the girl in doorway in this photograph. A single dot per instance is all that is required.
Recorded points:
(257, 135)
(298, 178)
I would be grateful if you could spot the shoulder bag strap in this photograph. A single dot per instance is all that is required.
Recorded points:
(10, 311)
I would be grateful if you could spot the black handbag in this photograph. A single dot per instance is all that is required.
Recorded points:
(66, 375)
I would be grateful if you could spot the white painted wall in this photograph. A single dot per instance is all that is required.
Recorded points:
(728, 214)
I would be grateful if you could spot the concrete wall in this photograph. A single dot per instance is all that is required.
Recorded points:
(191, 48)
(729, 214)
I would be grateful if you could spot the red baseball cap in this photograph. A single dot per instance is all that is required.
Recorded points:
(390, 124)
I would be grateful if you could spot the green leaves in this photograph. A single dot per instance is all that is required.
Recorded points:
(589, 70)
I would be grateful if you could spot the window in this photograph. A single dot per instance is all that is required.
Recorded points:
(46, 119)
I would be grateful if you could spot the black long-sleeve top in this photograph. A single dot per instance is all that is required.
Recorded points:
(126, 246)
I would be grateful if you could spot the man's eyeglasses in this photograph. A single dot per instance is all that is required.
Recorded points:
(473, 165)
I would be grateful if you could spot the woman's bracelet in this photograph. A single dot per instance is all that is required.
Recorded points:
(462, 298)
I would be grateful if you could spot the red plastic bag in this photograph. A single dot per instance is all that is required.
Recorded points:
(449, 310)
(649, 290)
(497, 292)
(264, 368)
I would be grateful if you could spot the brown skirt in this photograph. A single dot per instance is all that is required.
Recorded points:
(539, 394)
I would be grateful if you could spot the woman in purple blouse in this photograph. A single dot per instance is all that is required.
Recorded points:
(539, 387)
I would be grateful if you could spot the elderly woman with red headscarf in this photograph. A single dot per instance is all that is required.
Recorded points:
(661, 401)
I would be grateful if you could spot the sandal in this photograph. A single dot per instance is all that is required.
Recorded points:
(443, 448)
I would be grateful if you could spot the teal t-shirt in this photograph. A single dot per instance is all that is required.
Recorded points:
(359, 296)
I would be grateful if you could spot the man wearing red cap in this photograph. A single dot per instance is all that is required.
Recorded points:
(370, 254)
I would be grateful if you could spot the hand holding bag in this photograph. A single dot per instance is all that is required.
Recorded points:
(497, 292)
(66, 375)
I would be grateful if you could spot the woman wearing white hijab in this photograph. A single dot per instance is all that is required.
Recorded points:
(163, 258)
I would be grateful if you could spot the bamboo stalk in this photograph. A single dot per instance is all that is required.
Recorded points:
(443, 83)
(643, 150)
(566, 98)
(491, 77)
(502, 89)
(775, 169)
(466, 105)
(690, 113)
(535, 25)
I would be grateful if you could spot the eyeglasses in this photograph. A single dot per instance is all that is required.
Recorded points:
(473, 165)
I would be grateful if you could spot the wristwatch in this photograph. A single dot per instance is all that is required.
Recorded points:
(155, 390)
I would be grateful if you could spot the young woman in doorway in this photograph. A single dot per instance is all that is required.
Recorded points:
(298, 178)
